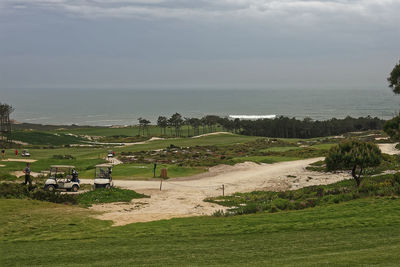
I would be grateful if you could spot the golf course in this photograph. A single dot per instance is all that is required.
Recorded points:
(228, 199)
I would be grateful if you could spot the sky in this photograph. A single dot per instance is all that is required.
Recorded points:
(198, 43)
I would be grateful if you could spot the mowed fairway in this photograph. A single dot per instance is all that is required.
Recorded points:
(360, 232)
(85, 158)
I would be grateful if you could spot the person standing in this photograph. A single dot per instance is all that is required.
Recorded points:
(3, 154)
(16, 152)
(27, 172)
(154, 169)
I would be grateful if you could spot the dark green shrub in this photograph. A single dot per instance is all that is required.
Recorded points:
(13, 190)
(103, 195)
(7, 177)
(247, 209)
(63, 157)
(280, 203)
(55, 197)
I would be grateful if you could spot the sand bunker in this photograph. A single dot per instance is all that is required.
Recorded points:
(21, 160)
(21, 173)
(208, 134)
(389, 149)
(2, 165)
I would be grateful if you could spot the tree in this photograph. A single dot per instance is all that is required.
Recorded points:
(176, 121)
(5, 123)
(394, 79)
(143, 124)
(353, 155)
(392, 128)
(162, 122)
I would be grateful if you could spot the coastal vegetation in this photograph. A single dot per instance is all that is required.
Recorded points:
(86, 199)
(353, 155)
(308, 197)
(176, 126)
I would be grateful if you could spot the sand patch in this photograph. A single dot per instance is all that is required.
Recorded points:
(389, 149)
(208, 134)
(21, 160)
(21, 173)
(2, 165)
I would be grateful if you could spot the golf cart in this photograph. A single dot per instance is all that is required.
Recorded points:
(110, 154)
(62, 177)
(102, 176)
(25, 153)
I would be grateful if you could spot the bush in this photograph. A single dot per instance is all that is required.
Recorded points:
(245, 203)
(63, 157)
(103, 195)
(55, 197)
(7, 177)
(13, 190)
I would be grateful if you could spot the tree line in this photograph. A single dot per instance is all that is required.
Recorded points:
(280, 127)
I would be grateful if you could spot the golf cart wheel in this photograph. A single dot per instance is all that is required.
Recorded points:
(50, 188)
(107, 186)
(74, 188)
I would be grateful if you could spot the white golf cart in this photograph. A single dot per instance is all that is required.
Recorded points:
(25, 153)
(110, 154)
(62, 177)
(102, 176)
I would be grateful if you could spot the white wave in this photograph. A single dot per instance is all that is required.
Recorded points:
(252, 117)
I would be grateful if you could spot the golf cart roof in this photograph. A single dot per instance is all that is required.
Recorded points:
(104, 165)
(62, 166)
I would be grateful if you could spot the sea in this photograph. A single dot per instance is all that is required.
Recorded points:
(101, 107)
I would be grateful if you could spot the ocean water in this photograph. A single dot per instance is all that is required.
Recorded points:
(124, 107)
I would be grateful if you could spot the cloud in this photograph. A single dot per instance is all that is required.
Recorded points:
(380, 11)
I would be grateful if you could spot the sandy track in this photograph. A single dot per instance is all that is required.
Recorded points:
(184, 197)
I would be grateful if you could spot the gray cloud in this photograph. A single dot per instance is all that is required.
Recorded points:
(135, 43)
(380, 11)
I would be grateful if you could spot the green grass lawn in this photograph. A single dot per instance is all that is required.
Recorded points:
(360, 232)
(221, 139)
(323, 146)
(131, 131)
(145, 171)
(45, 138)
(264, 159)
(87, 157)
(281, 149)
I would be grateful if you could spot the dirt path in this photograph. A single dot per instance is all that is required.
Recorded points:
(183, 197)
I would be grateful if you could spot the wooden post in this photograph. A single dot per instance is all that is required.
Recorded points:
(161, 183)
(223, 190)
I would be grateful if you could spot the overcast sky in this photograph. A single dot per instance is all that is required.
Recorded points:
(198, 43)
